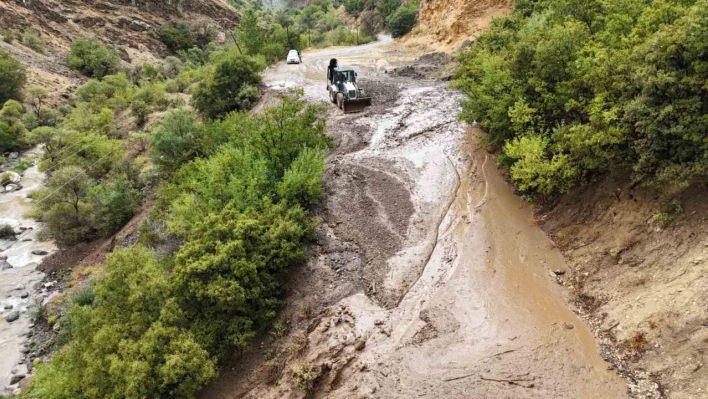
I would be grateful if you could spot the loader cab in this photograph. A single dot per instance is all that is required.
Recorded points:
(344, 75)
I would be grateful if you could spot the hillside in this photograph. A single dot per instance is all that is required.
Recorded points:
(129, 30)
(447, 24)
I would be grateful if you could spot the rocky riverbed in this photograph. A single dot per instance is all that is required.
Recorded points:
(22, 290)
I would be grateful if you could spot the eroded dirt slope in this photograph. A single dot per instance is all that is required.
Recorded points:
(429, 278)
(448, 24)
(641, 278)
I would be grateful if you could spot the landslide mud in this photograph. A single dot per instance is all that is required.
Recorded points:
(430, 278)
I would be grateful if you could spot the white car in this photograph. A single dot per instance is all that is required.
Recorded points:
(293, 57)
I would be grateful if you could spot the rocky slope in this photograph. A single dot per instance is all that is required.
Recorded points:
(130, 30)
(450, 23)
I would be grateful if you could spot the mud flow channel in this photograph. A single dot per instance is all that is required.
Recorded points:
(432, 275)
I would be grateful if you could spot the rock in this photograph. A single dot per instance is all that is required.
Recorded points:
(26, 239)
(39, 252)
(568, 326)
(24, 295)
(4, 265)
(19, 287)
(359, 345)
(10, 178)
(12, 316)
(13, 187)
(13, 155)
(16, 378)
(559, 272)
(49, 285)
(13, 371)
(8, 307)
(3, 257)
(25, 351)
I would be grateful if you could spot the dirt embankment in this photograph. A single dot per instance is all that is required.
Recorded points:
(448, 24)
(638, 267)
(131, 31)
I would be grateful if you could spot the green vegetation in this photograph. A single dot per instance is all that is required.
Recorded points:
(12, 77)
(305, 375)
(180, 37)
(315, 25)
(7, 232)
(231, 86)
(13, 133)
(32, 40)
(402, 20)
(158, 326)
(571, 89)
(93, 58)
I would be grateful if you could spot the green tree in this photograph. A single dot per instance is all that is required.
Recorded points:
(387, 7)
(114, 202)
(12, 77)
(129, 343)
(93, 58)
(231, 273)
(174, 140)
(403, 19)
(249, 33)
(12, 130)
(232, 86)
(62, 207)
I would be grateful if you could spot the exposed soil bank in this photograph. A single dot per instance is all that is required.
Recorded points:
(641, 279)
(429, 277)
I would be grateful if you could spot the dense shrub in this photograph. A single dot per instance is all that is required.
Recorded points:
(232, 86)
(7, 232)
(571, 89)
(174, 140)
(177, 37)
(157, 327)
(387, 7)
(62, 207)
(114, 203)
(32, 40)
(129, 343)
(354, 7)
(403, 19)
(12, 77)
(93, 58)
(12, 129)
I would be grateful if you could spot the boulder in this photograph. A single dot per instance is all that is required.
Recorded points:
(13, 155)
(12, 316)
(10, 177)
(24, 295)
(17, 378)
(13, 187)
(8, 307)
(39, 252)
(4, 265)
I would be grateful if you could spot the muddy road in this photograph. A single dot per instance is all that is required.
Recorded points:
(429, 277)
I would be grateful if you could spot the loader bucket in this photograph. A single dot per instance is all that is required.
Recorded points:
(358, 105)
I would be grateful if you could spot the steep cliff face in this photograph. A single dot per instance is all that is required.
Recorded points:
(451, 22)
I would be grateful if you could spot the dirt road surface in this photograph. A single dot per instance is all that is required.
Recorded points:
(430, 278)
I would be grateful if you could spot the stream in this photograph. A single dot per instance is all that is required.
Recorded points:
(19, 291)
